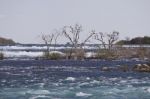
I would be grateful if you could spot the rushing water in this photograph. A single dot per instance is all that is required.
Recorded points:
(43, 79)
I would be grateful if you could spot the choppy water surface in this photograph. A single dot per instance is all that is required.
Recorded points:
(43, 79)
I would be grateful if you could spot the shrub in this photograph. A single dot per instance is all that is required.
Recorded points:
(75, 54)
(52, 56)
(106, 54)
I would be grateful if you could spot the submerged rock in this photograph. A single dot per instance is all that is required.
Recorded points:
(106, 68)
(124, 68)
(116, 68)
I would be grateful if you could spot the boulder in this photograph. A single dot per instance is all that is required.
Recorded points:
(141, 68)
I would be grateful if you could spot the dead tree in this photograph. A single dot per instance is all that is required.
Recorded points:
(112, 37)
(87, 39)
(101, 38)
(107, 39)
(56, 35)
(72, 33)
(47, 39)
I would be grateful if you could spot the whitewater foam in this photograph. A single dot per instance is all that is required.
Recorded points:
(39, 96)
(87, 78)
(81, 94)
(38, 92)
(95, 82)
(148, 90)
(70, 79)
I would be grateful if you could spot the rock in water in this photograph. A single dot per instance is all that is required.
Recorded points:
(141, 68)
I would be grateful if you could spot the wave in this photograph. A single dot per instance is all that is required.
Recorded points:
(81, 94)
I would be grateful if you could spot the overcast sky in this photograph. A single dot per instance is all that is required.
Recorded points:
(24, 20)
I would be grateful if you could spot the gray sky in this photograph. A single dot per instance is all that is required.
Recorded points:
(24, 20)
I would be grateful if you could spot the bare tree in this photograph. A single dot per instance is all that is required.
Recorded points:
(112, 37)
(72, 33)
(48, 41)
(56, 35)
(100, 37)
(87, 39)
(107, 38)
